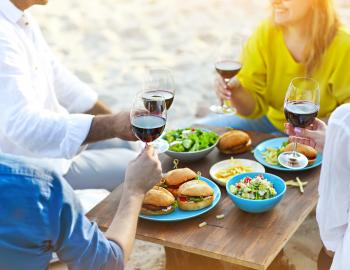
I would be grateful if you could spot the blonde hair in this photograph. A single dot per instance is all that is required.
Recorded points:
(322, 28)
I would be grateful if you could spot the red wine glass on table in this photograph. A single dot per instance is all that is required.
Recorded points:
(301, 106)
(148, 118)
(159, 83)
(227, 65)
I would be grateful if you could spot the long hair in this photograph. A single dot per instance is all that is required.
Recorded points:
(322, 28)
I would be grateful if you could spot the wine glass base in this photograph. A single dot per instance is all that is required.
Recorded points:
(160, 145)
(293, 161)
(222, 110)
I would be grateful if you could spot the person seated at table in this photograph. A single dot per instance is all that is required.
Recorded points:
(41, 215)
(303, 38)
(48, 113)
(334, 188)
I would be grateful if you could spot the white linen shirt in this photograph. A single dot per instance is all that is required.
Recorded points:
(334, 189)
(41, 102)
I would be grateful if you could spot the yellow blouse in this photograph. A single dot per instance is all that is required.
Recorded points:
(268, 68)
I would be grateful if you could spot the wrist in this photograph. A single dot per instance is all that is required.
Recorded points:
(133, 193)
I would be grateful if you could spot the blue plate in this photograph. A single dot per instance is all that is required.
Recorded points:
(276, 143)
(179, 214)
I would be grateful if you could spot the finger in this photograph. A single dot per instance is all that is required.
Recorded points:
(303, 132)
(289, 129)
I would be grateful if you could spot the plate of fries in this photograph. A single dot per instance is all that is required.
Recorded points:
(224, 170)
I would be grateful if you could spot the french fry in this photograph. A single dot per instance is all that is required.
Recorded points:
(220, 216)
(300, 185)
(201, 225)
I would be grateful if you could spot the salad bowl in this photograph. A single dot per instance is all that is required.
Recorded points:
(190, 144)
(257, 205)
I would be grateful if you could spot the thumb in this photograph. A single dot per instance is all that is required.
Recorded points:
(233, 83)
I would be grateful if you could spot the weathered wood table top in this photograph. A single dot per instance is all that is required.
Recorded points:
(251, 240)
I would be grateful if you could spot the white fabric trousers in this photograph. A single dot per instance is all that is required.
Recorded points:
(101, 166)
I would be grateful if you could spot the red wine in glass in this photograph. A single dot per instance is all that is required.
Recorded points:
(228, 69)
(148, 127)
(300, 113)
(148, 98)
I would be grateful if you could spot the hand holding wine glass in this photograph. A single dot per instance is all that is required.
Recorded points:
(301, 106)
(148, 117)
(227, 65)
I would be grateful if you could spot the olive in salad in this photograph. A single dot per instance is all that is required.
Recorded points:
(257, 188)
(190, 139)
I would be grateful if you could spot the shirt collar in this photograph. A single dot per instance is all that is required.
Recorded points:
(10, 11)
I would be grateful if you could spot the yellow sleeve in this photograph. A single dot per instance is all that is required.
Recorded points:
(340, 79)
(253, 73)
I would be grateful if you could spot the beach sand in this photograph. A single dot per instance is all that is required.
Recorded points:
(109, 43)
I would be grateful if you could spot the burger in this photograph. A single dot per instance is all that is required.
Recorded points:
(308, 151)
(158, 201)
(234, 142)
(194, 195)
(173, 179)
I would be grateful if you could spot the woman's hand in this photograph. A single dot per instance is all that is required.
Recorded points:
(313, 135)
(223, 89)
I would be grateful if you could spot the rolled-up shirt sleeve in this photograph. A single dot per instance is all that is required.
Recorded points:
(79, 243)
(42, 132)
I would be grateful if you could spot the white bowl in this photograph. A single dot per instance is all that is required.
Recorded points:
(229, 163)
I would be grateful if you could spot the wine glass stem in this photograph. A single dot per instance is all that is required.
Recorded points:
(294, 151)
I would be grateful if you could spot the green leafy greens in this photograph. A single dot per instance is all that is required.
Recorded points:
(189, 139)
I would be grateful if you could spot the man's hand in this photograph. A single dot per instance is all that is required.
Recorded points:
(313, 135)
(123, 126)
(143, 172)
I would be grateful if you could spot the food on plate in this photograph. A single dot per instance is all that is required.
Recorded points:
(195, 195)
(174, 178)
(190, 139)
(257, 188)
(271, 154)
(234, 142)
(306, 150)
(226, 173)
(158, 201)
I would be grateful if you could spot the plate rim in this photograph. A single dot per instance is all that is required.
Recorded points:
(280, 168)
(224, 184)
(191, 214)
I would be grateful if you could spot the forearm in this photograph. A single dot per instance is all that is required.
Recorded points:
(243, 101)
(103, 127)
(123, 227)
(99, 109)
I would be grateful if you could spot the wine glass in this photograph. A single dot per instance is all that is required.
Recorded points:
(301, 106)
(227, 65)
(159, 82)
(148, 117)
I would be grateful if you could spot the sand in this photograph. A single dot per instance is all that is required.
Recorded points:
(109, 43)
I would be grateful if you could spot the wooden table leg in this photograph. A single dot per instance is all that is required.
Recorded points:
(181, 260)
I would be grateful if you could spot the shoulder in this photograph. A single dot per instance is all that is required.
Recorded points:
(30, 173)
(341, 42)
(341, 114)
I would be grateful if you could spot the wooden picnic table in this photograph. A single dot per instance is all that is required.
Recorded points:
(240, 240)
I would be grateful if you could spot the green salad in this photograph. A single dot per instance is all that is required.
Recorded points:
(256, 188)
(190, 139)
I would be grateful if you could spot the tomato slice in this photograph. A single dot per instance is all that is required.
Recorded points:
(182, 198)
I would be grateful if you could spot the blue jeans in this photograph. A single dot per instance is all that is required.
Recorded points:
(228, 120)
